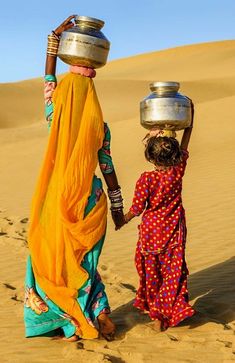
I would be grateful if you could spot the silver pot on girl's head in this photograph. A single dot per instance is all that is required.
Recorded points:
(165, 108)
(84, 44)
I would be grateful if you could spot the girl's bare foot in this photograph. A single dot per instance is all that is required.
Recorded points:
(157, 326)
(106, 327)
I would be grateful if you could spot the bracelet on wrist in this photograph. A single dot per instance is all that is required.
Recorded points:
(52, 45)
(119, 209)
(114, 193)
(116, 201)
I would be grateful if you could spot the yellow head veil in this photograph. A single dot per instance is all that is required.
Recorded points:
(59, 235)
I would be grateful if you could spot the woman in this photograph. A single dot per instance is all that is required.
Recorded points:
(68, 215)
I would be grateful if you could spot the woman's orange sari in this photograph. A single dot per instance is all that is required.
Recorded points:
(59, 235)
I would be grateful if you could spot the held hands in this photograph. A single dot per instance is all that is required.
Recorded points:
(118, 219)
(67, 24)
(116, 201)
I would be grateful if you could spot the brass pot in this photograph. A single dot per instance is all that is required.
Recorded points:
(84, 44)
(165, 107)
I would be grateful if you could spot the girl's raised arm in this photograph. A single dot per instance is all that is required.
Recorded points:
(187, 132)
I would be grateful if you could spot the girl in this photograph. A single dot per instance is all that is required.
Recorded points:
(160, 252)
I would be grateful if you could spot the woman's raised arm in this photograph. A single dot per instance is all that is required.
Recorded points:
(50, 67)
(53, 42)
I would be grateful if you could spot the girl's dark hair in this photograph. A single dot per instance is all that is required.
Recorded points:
(163, 151)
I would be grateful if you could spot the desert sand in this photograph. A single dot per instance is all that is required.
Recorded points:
(207, 75)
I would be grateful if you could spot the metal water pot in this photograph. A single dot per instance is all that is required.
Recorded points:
(165, 108)
(84, 44)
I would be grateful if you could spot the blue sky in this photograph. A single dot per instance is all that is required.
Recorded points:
(133, 27)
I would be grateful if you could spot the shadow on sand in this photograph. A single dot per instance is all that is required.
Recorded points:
(213, 289)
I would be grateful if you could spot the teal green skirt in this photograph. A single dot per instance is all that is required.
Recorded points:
(91, 297)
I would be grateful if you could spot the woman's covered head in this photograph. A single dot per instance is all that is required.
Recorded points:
(163, 151)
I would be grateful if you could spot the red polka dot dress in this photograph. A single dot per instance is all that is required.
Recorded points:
(160, 252)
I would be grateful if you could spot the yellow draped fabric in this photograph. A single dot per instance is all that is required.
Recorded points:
(59, 235)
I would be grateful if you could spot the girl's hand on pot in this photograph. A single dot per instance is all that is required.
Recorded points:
(192, 110)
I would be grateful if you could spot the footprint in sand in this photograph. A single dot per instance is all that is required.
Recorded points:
(227, 327)
(80, 345)
(9, 286)
(129, 287)
(15, 297)
(19, 233)
(227, 344)
(103, 267)
(70, 353)
(172, 337)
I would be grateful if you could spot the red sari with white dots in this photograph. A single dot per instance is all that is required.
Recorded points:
(160, 252)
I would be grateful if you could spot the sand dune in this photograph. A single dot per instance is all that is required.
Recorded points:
(207, 74)
(206, 60)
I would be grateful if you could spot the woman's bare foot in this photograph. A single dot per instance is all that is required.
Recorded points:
(71, 339)
(106, 327)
